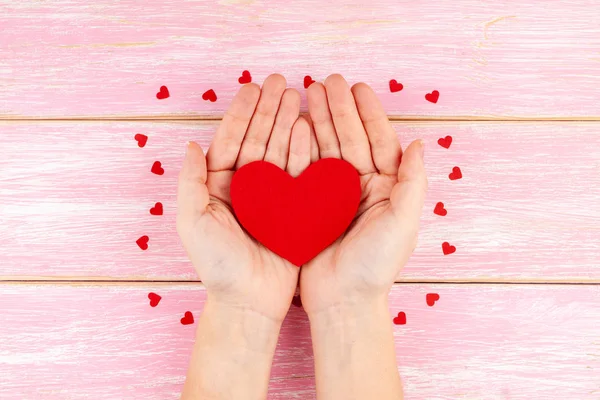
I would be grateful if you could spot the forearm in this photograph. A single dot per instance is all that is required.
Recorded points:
(354, 352)
(232, 355)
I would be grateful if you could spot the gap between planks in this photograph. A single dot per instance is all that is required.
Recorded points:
(124, 282)
(392, 118)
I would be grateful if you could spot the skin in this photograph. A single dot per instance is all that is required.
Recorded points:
(344, 289)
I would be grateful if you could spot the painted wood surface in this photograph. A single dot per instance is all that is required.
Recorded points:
(75, 197)
(492, 59)
(477, 342)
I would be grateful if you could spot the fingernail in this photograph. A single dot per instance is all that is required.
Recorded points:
(187, 147)
(422, 149)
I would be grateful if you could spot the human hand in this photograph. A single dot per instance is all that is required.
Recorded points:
(345, 288)
(239, 272)
(362, 265)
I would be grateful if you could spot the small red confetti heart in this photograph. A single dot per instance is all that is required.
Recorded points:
(431, 298)
(440, 210)
(210, 95)
(157, 209)
(308, 81)
(163, 93)
(245, 78)
(400, 319)
(141, 139)
(432, 97)
(157, 168)
(297, 301)
(187, 319)
(445, 142)
(154, 299)
(455, 174)
(447, 248)
(143, 242)
(395, 86)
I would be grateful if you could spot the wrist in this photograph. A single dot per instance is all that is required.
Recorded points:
(241, 327)
(350, 312)
(353, 346)
(232, 355)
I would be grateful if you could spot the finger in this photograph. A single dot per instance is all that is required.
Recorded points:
(318, 108)
(408, 193)
(192, 193)
(385, 146)
(219, 185)
(299, 158)
(279, 143)
(255, 142)
(314, 145)
(224, 149)
(354, 143)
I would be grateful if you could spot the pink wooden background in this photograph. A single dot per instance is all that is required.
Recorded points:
(526, 208)
(477, 342)
(519, 310)
(488, 59)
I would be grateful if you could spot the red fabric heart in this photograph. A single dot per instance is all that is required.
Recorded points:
(400, 319)
(440, 210)
(163, 93)
(447, 248)
(308, 81)
(210, 95)
(245, 78)
(187, 319)
(455, 174)
(445, 142)
(157, 168)
(296, 218)
(154, 299)
(157, 209)
(395, 86)
(142, 242)
(431, 298)
(432, 97)
(141, 139)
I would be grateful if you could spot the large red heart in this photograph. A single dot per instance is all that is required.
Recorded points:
(296, 218)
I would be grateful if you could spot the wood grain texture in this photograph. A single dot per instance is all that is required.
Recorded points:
(476, 342)
(493, 59)
(74, 198)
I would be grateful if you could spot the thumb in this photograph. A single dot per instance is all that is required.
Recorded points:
(192, 193)
(408, 194)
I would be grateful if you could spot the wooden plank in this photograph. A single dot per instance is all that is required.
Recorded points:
(478, 341)
(496, 59)
(75, 197)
